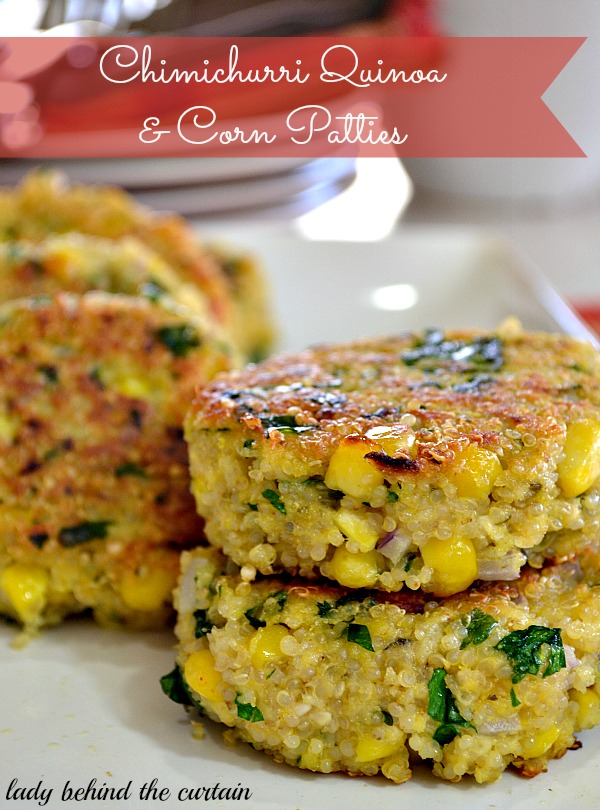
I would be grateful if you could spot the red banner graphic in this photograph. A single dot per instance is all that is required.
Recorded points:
(282, 97)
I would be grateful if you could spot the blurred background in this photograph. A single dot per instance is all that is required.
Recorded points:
(548, 208)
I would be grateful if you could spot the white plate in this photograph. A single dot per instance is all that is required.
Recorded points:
(151, 173)
(82, 704)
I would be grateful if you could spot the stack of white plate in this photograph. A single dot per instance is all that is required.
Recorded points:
(219, 187)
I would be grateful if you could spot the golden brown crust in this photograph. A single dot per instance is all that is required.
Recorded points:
(94, 474)
(454, 402)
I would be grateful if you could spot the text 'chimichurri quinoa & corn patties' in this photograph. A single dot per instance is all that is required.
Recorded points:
(426, 461)
(94, 479)
(332, 679)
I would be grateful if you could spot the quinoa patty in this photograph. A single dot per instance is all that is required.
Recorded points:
(94, 484)
(427, 460)
(78, 263)
(231, 285)
(331, 679)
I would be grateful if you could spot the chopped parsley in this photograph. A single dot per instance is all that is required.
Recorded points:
(275, 500)
(514, 699)
(409, 561)
(71, 536)
(534, 651)
(433, 350)
(359, 634)
(49, 373)
(179, 339)
(246, 711)
(253, 507)
(202, 624)
(387, 718)
(479, 625)
(284, 424)
(392, 497)
(280, 599)
(255, 622)
(442, 707)
(324, 609)
(38, 538)
(175, 688)
(128, 468)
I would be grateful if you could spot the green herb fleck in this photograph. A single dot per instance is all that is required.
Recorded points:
(179, 339)
(253, 507)
(50, 373)
(71, 536)
(479, 625)
(280, 598)
(248, 443)
(38, 538)
(480, 354)
(246, 711)
(387, 718)
(175, 688)
(275, 500)
(53, 452)
(409, 561)
(514, 699)
(533, 651)
(392, 497)
(130, 469)
(151, 290)
(324, 609)
(442, 707)
(284, 424)
(250, 614)
(359, 634)
(202, 624)
(94, 376)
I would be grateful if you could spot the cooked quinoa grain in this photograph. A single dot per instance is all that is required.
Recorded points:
(94, 481)
(423, 461)
(328, 679)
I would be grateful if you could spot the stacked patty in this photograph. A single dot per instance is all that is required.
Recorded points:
(411, 529)
(331, 679)
(423, 461)
(112, 315)
(94, 483)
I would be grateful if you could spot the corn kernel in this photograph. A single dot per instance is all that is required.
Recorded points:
(454, 564)
(474, 472)
(581, 465)
(357, 528)
(147, 591)
(349, 470)
(265, 645)
(355, 570)
(310, 761)
(9, 426)
(201, 676)
(369, 749)
(538, 744)
(588, 711)
(26, 588)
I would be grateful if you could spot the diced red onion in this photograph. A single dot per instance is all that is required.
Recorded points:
(394, 545)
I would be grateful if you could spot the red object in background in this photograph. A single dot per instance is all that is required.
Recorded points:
(590, 313)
